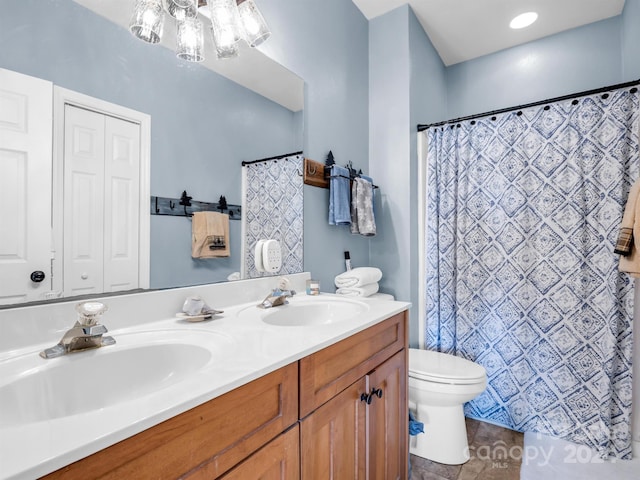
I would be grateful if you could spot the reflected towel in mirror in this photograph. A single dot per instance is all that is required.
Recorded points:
(210, 235)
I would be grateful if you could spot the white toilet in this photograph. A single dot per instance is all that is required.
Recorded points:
(439, 384)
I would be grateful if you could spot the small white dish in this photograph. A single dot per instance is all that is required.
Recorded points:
(194, 318)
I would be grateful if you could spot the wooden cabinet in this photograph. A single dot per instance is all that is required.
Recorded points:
(362, 431)
(278, 460)
(340, 413)
(333, 438)
(203, 442)
(388, 420)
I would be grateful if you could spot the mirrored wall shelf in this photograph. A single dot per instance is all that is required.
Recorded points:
(185, 207)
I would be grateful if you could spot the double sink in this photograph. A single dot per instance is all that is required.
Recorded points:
(145, 362)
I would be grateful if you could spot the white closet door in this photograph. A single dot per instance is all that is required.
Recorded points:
(25, 186)
(84, 154)
(121, 201)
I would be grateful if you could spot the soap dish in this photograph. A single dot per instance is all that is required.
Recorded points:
(197, 318)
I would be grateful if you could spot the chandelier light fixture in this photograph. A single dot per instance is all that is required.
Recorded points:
(229, 22)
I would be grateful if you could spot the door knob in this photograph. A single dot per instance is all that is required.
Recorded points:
(365, 397)
(37, 276)
(377, 392)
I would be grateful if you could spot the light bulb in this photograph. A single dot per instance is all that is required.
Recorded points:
(147, 21)
(523, 20)
(190, 40)
(225, 26)
(254, 27)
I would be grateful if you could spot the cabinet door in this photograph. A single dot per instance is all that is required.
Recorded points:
(278, 460)
(333, 438)
(388, 420)
(325, 373)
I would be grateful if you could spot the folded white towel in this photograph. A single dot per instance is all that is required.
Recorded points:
(363, 291)
(357, 277)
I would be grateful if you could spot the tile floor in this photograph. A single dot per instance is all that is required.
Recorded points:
(486, 462)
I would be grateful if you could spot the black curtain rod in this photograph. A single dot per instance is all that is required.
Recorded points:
(278, 157)
(527, 105)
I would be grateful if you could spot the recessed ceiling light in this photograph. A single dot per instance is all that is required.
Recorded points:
(524, 20)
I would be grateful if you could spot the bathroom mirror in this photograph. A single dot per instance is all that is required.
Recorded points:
(204, 123)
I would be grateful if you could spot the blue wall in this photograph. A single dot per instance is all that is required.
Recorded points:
(428, 104)
(407, 79)
(581, 59)
(631, 40)
(326, 43)
(202, 125)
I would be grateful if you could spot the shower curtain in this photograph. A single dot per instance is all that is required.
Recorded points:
(523, 211)
(273, 194)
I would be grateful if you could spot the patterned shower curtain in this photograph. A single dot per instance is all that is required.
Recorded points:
(274, 210)
(523, 213)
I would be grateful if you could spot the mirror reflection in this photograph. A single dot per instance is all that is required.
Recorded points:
(203, 126)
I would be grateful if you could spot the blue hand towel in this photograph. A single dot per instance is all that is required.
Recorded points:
(415, 427)
(339, 201)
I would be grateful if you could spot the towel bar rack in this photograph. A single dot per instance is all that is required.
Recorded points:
(185, 207)
(317, 175)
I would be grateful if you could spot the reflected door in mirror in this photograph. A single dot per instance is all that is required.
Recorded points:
(101, 190)
(25, 187)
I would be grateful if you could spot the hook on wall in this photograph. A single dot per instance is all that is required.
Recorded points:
(222, 203)
(185, 200)
(311, 171)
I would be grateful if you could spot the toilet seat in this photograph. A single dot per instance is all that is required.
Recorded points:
(440, 367)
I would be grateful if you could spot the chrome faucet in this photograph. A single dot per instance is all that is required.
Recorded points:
(86, 333)
(279, 295)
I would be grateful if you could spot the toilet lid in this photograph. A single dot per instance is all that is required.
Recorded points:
(444, 368)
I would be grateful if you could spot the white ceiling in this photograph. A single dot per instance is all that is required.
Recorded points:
(252, 69)
(461, 30)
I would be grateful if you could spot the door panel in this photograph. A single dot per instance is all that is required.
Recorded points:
(25, 186)
(333, 438)
(83, 207)
(121, 200)
(388, 417)
(278, 460)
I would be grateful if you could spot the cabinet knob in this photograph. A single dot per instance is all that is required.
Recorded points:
(368, 397)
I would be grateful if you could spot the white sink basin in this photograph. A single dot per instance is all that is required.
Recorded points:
(316, 311)
(33, 389)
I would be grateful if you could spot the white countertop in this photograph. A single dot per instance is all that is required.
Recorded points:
(252, 349)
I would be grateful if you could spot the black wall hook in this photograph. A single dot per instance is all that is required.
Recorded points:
(222, 203)
(185, 200)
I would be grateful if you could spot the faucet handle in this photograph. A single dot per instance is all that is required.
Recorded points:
(89, 312)
(283, 283)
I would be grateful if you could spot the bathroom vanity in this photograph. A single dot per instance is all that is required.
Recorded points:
(342, 410)
(298, 391)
